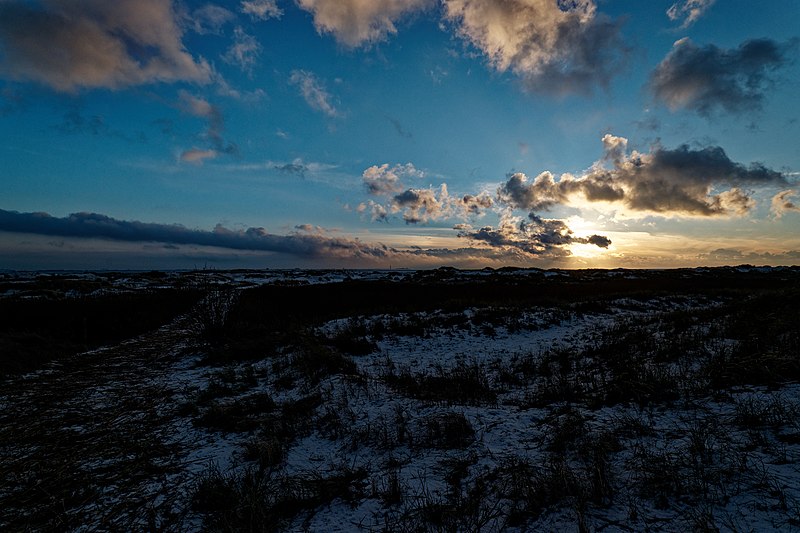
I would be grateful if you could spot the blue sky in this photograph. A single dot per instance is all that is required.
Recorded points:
(418, 133)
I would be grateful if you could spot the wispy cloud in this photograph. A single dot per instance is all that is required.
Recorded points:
(783, 203)
(554, 47)
(314, 92)
(707, 78)
(197, 156)
(75, 122)
(261, 9)
(200, 107)
(244, 51)
(399, 128)
(102, 44)
(689, 11)
(209, 18)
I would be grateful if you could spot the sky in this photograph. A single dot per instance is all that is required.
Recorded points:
(156, 134)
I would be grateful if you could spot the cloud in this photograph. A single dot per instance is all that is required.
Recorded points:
(689, 11)
(355, 23)
(69, 45)
(244, 51)
(599, 241)
(210, 19)
(680, 181)
(415, 205)
(733, 255)
(557, 47)
(421, 205)
(782, 203)
(197, 156)
(537, 239)
(708, 78)
(377, 212)
(261, 9)
(535, 236)
(296, 167)
(302, 244)
(471, 204)
(398, 127)
(384, 180)
(75, 122)
(200, 107)
(314, 92)
(223, 88)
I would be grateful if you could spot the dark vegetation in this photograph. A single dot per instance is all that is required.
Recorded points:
(675, 412)
(748, 334)
(35, 330)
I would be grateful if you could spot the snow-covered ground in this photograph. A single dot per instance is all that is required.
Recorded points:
(476, 419)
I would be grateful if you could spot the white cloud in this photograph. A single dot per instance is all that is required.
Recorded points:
(360, 22)
(383, 179)
(782, 203)
(557, 47)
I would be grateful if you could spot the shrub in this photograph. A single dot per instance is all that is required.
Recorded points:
(448, 430)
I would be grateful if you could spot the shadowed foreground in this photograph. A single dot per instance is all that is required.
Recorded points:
(425, 401)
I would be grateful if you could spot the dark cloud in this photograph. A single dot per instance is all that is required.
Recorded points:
(545, 192)
(535, 236)
(93, 225)
(306, 243)
(736, 256)
(707, 78)
(74, 122)
(296, 168)
(599, 240)
(648, 124)
(554, 47)
(398, 127)
(69, 45)
(676, 181)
